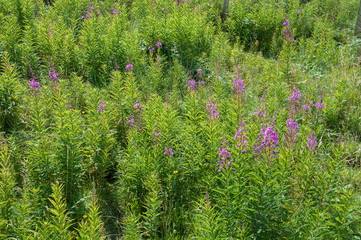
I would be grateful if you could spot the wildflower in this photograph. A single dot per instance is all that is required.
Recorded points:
(238, 85)
(159, 44)
(130, 121)
(168, 151)
(53, 75)
(292, 133)
(300, 11)
(151, 48)
(319, 105)
(269, 142)
(306, 108)
(293, 71)
(287, 33)
(129, 67)
(270, 137)
(295, 97)
(102, 106)
(260, 113)
(240, 136)
(86, 15)
(85, 216)
(286, 23)
(224, 156)
(138, 107)
(311, 141)
(49, 32)
(175, 172)
(292, 126)
(212, 109)
(199, 70)
(157, 134)
(34, 85)
(115, 11)
(192, 84)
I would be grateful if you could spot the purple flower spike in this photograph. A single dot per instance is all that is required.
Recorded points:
(311, 141)
(212, 109)
(151, 48)
(157, 134)
(34, 85)
(320, 105)
(129, 67)
(287, 32)
(192, 84)
(224, 156)
(241, 138)
(138, 107)
(260, 113)
(286, 23)
(238, 85)
(130, 121)
(168, 151)
(269, 142)
(295, 98)
(53, 75)
(102, 106)
(292, 126)
(159, 44)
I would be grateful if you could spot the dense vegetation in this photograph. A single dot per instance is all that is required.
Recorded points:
(160, 119)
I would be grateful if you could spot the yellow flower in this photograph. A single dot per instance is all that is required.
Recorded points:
(271, 75)
(175, 172)
(85, 216)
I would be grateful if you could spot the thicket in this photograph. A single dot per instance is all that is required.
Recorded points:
(158, 119)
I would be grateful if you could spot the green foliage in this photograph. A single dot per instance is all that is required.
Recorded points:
(57, 225)
(156, 119)
(7, 189)
(92, 226)
(10, 96)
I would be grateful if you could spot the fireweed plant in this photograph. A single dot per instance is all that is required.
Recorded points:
(154, 119)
